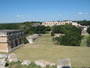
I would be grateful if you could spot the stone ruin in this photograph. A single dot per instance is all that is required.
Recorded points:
(43, 63)
(3, 60)
(12, 58)
(64, 63)
(26, 62)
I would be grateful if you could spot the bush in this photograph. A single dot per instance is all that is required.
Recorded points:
(72, 36)
(7, 64)
(33, 65)
(25, 40)
(52, 34)
(57, 29)
(88, 41)
(69, 40)
(88, 29)
(39, 29)
(57, 40)
(18, 65)
(84, 22)
(48, 28)
(64, 29)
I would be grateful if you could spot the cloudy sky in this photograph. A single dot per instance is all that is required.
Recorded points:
(43, 10)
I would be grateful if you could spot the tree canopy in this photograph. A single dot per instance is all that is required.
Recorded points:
(88, 29)
(72, 35)
(84, 22)
(27, 27)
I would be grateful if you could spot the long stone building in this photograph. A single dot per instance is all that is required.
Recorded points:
(51, 23)
(10, 39)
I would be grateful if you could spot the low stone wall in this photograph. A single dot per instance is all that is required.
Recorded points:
(10, 50)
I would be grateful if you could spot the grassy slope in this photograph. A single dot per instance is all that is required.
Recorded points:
(84, 40)
(43, 48)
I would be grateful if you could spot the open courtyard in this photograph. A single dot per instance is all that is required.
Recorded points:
(45, 49)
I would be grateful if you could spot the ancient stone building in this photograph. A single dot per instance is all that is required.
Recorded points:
(51, 23)
(10, 39)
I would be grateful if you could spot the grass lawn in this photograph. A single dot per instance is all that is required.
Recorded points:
(45, 49)
(84, 40)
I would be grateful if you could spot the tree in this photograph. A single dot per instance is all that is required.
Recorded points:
(27, 28)
(39, 29)
(64, 29)
(70, 39)
(88, 29)
(48, 28)
(84, 22)
(57, 29)
(72, 35)
(9, 26)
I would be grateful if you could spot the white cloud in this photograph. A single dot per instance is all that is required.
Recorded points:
(82, 13)
(20, 16)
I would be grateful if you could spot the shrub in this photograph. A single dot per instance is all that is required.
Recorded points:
(7, 64)
(88, 29)
(72, 36)
(52, 34)
(88, 41)
(25, 40)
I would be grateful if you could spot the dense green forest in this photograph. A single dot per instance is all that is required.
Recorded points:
(24, 26)
(27, 27)
(84, 22)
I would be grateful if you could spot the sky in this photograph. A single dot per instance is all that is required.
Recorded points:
(43, 10)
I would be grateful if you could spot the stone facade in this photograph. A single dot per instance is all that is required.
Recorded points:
(10, 39)
(32, 38)
(64, 63)
(51, 23)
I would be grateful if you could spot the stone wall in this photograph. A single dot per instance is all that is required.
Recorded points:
(10, 39)
(3, 47)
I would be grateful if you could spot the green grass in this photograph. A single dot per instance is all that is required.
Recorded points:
(84, 40)
(45, 49)
(18, 65)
